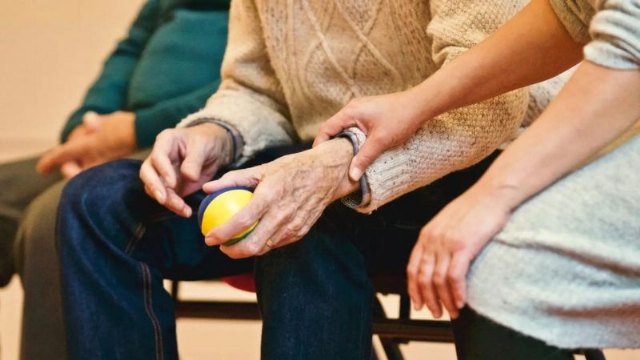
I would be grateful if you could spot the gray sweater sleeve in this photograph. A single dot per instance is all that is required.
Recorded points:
(615, 34)
(609, 28)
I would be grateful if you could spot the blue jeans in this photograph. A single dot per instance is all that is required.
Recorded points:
(116, 245)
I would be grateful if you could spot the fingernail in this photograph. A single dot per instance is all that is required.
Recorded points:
(355, 174)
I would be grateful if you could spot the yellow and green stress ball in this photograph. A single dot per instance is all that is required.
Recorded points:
(218, 207)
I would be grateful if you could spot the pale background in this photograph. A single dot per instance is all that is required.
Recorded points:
(50, 51)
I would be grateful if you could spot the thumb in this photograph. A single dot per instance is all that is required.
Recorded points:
(334, 126)
(70, 169)
(191, 167)
(368, 153)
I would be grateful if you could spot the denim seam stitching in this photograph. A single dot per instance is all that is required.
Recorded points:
(146, 277)
(133, 242)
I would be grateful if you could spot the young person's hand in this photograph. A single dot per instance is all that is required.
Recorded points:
(100, 138)
(387, 120)
(182, 160)
(290, 195)
(446, 246)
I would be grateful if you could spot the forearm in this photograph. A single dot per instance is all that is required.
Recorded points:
(595, 107)
(452, 141)
(531, 47)
(107, 94)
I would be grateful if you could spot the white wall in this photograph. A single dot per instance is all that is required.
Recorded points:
(50, 51)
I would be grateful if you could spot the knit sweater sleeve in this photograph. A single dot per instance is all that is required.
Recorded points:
(615, 34)
(250, 97)
(609, 30)
(459, 138)
(108, 92)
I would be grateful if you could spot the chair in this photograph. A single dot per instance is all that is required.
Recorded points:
(392, 331)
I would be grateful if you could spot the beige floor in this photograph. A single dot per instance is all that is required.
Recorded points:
(51, 50)
(217, 339)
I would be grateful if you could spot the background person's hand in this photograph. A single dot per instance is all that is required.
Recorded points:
(99, 139)
(182, 160)
(90, 123)
(446, 246)
(387, 120)
(290, 195)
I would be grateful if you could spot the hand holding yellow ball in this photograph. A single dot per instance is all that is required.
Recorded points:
(218, 207)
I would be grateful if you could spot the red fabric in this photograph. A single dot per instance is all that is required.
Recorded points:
(243, 282)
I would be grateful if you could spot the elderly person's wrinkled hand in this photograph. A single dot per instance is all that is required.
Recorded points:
(181, 161)
(290, 195)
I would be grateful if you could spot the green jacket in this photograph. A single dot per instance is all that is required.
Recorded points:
(166, 67)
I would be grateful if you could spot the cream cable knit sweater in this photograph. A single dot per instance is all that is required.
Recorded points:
(291, 65)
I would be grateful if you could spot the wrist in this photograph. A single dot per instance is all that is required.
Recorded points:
(129, 131)
(337, 154)
(504, 195)
(426, 94)
(224, 141)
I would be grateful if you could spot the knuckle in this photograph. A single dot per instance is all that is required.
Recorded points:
(452, 277)
(423, 279)
(411, 274)
(438, 278)
(425, 233)
(254, 248)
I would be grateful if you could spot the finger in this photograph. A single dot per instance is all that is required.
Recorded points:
(163, 167)
(256, 243)
(368, 153)
(70, 169)
(193, 162)
(176, 204)
(152, 182)
(246, 177)
(69, 151)
(440, 280)
(241, 221)
(413, 268)
(332, 127)
(457, 278)
(426, 286)
(292, 224)
(91, 120)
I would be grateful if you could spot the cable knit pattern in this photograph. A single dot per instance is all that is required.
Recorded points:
(290, 65)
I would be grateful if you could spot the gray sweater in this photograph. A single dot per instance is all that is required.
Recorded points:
(609, 28)
(566, 268)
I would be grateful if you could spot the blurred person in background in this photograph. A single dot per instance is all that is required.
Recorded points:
(165, 68)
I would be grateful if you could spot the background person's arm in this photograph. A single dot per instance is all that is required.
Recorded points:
(108, 92)
(250, 99)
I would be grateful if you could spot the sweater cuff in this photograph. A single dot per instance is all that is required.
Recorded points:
(237, 141)
(362, 197)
